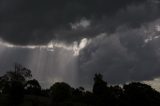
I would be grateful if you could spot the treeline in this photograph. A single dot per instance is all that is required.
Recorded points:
(17, 88)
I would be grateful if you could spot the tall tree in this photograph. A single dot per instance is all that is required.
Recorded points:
(100, 85)
(19, 73)
(12, 83)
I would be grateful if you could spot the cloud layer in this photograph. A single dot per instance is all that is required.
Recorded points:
(37, 22)
(123, 56)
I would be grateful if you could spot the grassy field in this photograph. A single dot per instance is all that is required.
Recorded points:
(30, 100)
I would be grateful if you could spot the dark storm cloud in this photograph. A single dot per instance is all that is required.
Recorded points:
(121, 57)
(39, 21)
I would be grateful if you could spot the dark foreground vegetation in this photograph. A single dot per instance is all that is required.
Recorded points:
(17, 88)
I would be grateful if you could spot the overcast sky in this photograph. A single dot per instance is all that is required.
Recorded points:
(71, 40)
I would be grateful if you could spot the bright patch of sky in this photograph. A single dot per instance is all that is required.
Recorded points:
(153, 32)
(83, 23)
(50, 47)
(155, 83)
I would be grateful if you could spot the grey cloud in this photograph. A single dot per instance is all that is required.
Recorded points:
(121, 57)
(37, 22)
(134, 16)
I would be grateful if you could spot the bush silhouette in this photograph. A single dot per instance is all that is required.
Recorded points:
(33, 87)
(60, 92)
(138, 93)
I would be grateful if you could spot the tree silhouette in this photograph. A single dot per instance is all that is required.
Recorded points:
(19, 73)
(4, 85)
(60, 92)
(100, 90)
(100, 86)
(15, 83)
(12, 83)
(33, 87)
(138, 93)
(115, 94)
(78, 94)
